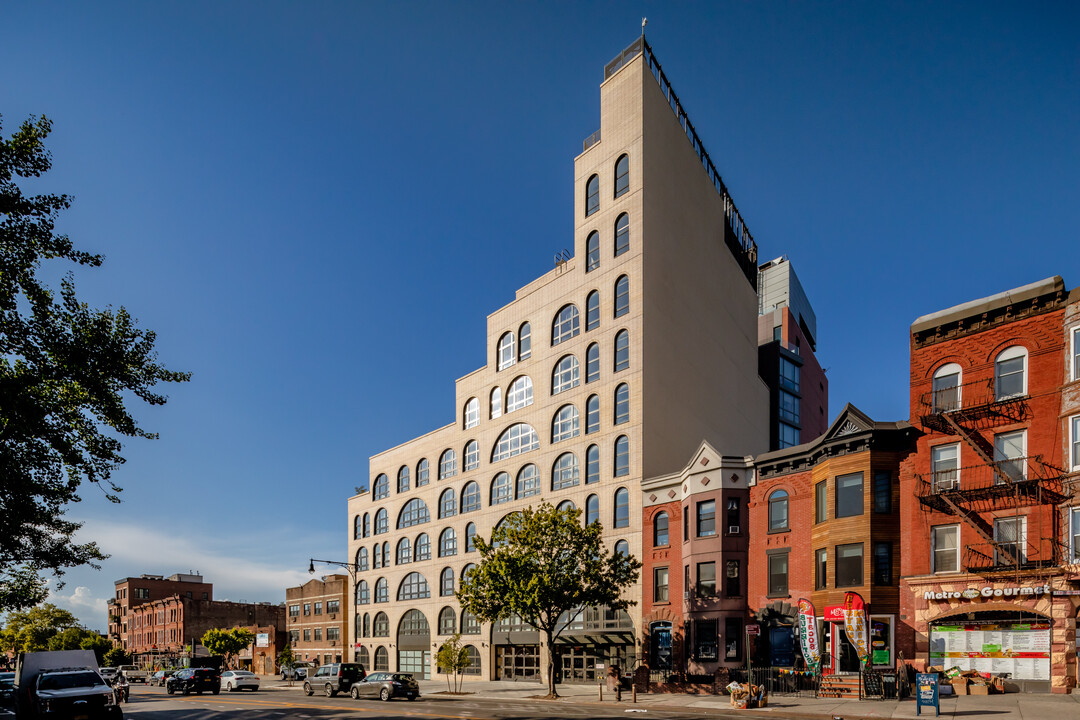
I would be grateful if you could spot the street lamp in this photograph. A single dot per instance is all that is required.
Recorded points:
(353, 568)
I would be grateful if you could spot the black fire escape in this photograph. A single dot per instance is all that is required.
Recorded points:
(969, 493)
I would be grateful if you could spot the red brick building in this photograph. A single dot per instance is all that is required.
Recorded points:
(983, 502)
(318, 623)
(131, 592)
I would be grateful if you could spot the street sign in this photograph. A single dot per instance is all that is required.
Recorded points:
(753, 629)
(926, 688)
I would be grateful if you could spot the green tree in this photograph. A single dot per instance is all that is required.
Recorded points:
(541, 564)
(116, 656)
(32, 630)
(67, 374)
(452, 658)
(227, 643)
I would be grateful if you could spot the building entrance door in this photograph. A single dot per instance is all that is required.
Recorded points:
(579, 664)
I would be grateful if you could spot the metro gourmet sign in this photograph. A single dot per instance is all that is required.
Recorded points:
(986, 592)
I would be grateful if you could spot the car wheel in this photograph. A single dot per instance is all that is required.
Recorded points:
(169, 690)
(411, 697)
(185, 691)
(328, 690)
(308, 690)
(216, 690)
(355, 692)
(384, 694)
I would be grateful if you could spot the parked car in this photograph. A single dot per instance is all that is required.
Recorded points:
(7, 688)
(108, 673)
(197, 680)
(159, 677)
(298, 672)
(134, 673)
(333, 678)
(386, 685)
(239, 679)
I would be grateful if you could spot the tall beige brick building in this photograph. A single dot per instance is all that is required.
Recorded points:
(610, 368)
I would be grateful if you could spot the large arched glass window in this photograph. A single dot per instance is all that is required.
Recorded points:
(622, 456)
(566, 324)
(592, 251)
(502, 489)
(382, 522)
(381, 488)
(362, 559)
(472, 413)
(469, 567)
(472, 455)
(621, 516)
(404, 551)
(622, 350)
(566, 505)
(622, 234)
(660, 529)
(524, 341)
(475, 665)
(448, 543)
(382, 591)
(380, 628)
(496, 403)
(592, 465)
(622, 404)
(423, 473)
(592, 195)
(413, 587)
(520, 394)
(415, 512)
(528, 481)
(447, 464)
(469, 624)
(446, 582)
(946, 388)
(622, 175)
(622, 548)
(622, 296)
(592, 414)
(564, 473)
(447, 504)
(470, 538)
(422, 547)
(566, 375)
(565, 424)
(592, 363)
(592, 310)
(515, 440)
(447, 621)
(1010, 373)
(507, 354)
(778, 511)
(592, 509)
(382, 655)
(470, 497)
(403, 479)
(363, 593)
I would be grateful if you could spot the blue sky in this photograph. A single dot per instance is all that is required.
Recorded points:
(316, 205)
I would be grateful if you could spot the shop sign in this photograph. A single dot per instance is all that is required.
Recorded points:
(833, 613)
(986, 592)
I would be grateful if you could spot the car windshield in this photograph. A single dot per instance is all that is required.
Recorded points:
(242, 673)
(68, 680)
(401, 678)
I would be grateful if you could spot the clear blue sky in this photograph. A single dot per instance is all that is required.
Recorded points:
(316, 205)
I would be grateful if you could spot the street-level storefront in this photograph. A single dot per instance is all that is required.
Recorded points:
(517, 650)
(839, 656)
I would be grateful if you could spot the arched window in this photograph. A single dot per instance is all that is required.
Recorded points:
(622, 296)
(566, 324)
(660, 529)
(622, 175)
(622, 548)
(520, 394)
(592, 509)
(473, 655)
(524, 341)
(592, 195)
(362, 559)
(566, 375)
(470, 538)
(472, 413)
(447, 620)
(413, 587)
(386, 553)
(507, 351)
(366, 627)
(592, 311)
(778, 511)
(592, 415)
(358, 528)
(946, 388)
(469, 567)
(447, 464)
(1010, 373)
(469, 624)
(622, 404)
(422, 547)
(446, 582)
(448, 543)
(376, 556)
(367, 525)
(622, 350)
(592, 465)
(382, 591)
(592, 363)
(470, 497)
(502, 489)
(472, 455)
(380, 628)
(415, 512)
(382, 656)
(621, 517)
(592, 251)
(403, 479)
(622, 234)
(363, 593)
(496, 403)
(566, 505)
(516, 439)
(382, 522)
(447, 504)
(423, 474)
(565, 424)
(381, 488)
(622, 456)
(365, 656)
(404, 551)
(564, 474)
(528, 481)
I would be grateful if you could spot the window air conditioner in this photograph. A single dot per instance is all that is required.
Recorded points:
(733, 530)
(685, 594)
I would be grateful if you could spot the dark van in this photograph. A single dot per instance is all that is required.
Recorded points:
(333, 678)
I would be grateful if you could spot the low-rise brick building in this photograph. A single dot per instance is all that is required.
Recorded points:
(318, 623)
(131, 592)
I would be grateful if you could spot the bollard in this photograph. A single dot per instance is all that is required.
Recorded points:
(601, 688)
(618, 691)
(633, 693)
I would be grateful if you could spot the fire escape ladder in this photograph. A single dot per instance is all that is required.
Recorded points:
(973, 520)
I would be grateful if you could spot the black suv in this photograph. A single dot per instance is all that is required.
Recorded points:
(333, 678)
(196, 680)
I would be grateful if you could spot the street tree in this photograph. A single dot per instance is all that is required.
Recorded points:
(115, 657)
(33, 630)
(227, 643)
(544, 566)
(452, 658)
(67, 375)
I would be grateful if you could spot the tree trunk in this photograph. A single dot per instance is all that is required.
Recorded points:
(551, 664)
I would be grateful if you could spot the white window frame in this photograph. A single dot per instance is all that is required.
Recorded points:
(942, 372)
(934, 549)
(1074, 443)
(524, 341)
(567, 324)
(516, 439)
(565, 473)
(1073, 529)
(496, 403)
(520, 394)
(1074, 353)
(566, 425)
(507, 353)
(470, 498)
(472, 413)
(567, 375)
(472, 455)
(447, 464)
(502, 489)
(934, 471)
(1000, 456)
(1011, 353)
(1021, 537)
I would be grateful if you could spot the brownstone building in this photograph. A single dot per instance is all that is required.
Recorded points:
(131, 592)
(318, 621)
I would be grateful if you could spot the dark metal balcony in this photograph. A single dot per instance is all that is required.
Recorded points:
(972, 403)
(1008, 483)
(1026, 554)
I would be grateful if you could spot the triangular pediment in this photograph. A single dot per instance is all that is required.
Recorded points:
(850, 421)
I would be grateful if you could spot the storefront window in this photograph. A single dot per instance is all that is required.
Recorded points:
(881, 639)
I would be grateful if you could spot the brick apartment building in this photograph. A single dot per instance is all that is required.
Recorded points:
(985, 509)
(131, 592)
(318, 621)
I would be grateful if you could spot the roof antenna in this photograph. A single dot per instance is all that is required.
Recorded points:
(644, 22)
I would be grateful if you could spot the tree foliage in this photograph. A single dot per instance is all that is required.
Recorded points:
(115, 657)
(541, 563)
(67, 373)
(34, 630)
(227, 643)
(452, 658)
